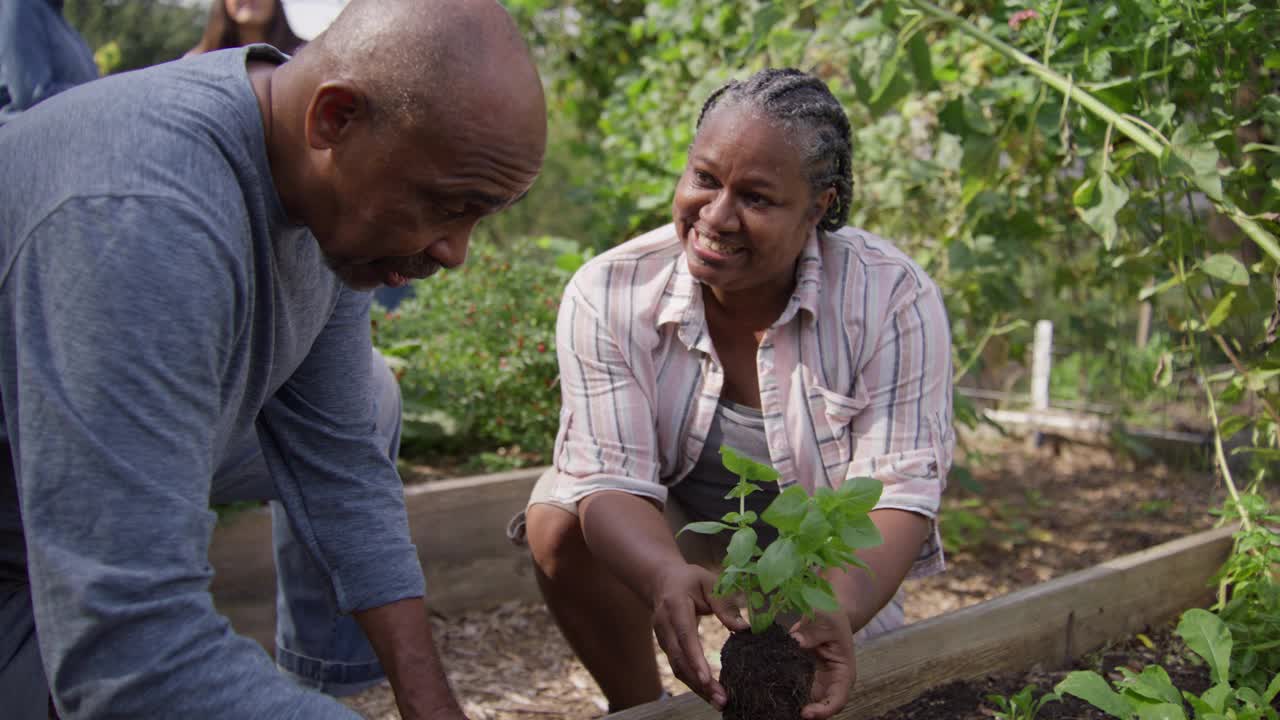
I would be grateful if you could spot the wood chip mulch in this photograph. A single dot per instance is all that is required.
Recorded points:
(1042, 513)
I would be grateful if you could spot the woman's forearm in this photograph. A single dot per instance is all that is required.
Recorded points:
(630, 535)
(861, 593)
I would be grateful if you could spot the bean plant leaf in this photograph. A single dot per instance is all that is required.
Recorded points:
(860, 532)
(779, 563)
(819, 599)
(1208, 637)
(788, 509)
(742, 546)
(1101, 216)
(745, 467)
(1222, 310)
(709, 527)
(1226, 268)
(1091, 688)
(1196, 157)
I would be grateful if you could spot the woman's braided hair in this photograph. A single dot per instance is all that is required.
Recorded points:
(801, 102)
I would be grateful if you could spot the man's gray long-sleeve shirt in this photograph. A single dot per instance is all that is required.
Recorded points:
(155, 300)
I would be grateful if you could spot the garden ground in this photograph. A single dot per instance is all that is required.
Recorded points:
(1041, 514)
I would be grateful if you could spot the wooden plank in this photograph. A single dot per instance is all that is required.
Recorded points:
(459, 527)
(1045, 626)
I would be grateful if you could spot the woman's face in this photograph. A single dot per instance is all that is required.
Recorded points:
(744, 207)
(250, 12)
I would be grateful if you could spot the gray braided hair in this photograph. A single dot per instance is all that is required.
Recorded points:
(800, 101)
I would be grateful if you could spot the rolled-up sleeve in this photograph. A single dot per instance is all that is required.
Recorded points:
(340, 489)
(608, 436)
(904, 436)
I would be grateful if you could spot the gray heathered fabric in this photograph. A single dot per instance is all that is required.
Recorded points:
(154, 299)
(701, 493)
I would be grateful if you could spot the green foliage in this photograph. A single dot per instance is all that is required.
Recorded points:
(475, 353)
(1021, 706)
(1151, 695)
(132, 34)
(815, 533)
(1058, 159)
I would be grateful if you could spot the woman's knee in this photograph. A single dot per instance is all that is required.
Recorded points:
(555, 539)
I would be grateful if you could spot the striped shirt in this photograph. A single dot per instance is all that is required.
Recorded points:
(854, 376)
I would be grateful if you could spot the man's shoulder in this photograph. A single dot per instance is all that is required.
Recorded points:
(181, 131)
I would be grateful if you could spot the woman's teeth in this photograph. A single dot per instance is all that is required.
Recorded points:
(716, 246)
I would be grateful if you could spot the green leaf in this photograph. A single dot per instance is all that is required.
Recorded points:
(860, 532)
(820, 599)
(1217, 696)
(779, 563)
(1226, 268)
(1196, 158)
(1101, 217)
(859, 495)
(1153, 683)
(1222, 310)
(1091, 688)
(788, 509)
(745, 467)
(741, 490)
(1162, 711)
(742, 547)
(710, 527)
(1233, 424)
(1273, 690)
(921, 62)
(1208, 637)
(814, 530)
(1150, 292)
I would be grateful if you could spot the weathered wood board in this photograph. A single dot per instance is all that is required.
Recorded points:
(1044, 626)
(459, 527)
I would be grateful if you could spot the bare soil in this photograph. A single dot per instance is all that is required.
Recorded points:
(1042, 513)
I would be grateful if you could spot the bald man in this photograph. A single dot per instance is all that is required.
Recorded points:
(183, 319)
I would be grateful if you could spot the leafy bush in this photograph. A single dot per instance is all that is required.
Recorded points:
(1151, 694)
(475, 354)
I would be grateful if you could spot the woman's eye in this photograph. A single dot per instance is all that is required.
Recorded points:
(755, 200)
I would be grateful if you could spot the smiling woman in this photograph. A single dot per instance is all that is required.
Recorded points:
(756, 320)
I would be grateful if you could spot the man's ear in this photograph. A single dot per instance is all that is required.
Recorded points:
(334, 110)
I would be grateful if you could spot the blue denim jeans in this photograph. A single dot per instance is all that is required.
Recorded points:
(315, 644)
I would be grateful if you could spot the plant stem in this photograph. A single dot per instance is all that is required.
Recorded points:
(1057, 81)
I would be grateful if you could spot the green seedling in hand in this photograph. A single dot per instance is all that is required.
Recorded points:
(815, 533)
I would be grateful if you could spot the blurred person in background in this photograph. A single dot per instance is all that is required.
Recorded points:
(233, 23)
(40, 55)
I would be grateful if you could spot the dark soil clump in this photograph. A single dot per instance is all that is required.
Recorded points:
(766, 676)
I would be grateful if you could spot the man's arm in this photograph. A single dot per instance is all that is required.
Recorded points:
(400, 633)
(346, 503)
(114, 347)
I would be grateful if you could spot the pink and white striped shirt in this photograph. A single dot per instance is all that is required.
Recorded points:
(855, 375)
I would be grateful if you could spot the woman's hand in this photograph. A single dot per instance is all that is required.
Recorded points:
(829, 637)
(682, 593)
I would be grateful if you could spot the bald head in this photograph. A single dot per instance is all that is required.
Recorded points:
(428, 60)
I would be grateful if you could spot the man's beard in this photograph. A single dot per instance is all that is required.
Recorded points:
(370, 276)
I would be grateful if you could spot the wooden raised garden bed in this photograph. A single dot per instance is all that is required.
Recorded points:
(1044, 626)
